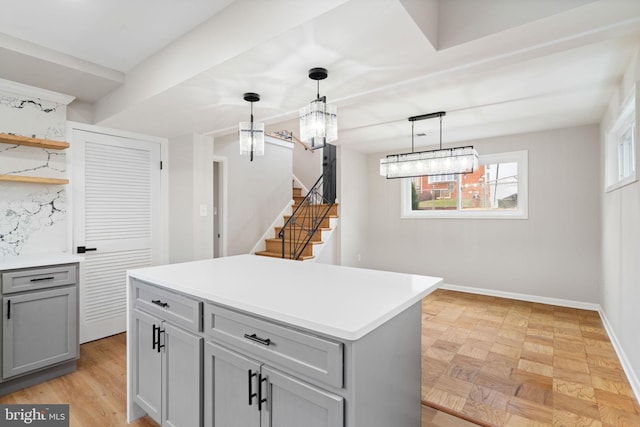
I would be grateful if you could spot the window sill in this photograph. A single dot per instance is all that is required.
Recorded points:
(516, 214)
(620, 184)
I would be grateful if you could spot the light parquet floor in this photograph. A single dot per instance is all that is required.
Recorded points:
(504, 362)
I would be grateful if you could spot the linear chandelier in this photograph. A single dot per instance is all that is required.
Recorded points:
(318, 120)
(443, 161)
(251, 133)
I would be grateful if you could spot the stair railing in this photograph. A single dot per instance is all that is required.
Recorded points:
(308, 216)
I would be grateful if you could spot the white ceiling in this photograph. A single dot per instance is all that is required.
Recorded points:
(171, 67)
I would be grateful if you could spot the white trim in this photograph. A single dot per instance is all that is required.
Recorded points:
(22, 89)
(115, 132)
(626, 117)
(524, 297)
(271, 232)
(305, 190)
(624, 361)
(224, 170)
(626, 366)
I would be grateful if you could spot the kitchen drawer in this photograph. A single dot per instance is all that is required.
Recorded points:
(28, 279)
(176, 308)
(283, 347)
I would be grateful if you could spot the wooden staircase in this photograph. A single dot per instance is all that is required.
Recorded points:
(274, 245)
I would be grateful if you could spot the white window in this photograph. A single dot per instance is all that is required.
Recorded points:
(621, 149)
(497, 189)
(442, 178)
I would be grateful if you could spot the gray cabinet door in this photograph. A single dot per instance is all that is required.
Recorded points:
(230, 382)
(39, 330)
(293, 403)
(146, 369)
(181, 378)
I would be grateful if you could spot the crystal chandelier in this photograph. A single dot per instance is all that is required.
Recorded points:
(251, 133)
(443, 161)
(318, 120)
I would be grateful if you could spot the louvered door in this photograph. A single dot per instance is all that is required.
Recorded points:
(116, 201)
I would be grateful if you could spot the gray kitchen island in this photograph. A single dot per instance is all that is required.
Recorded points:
(252, 341)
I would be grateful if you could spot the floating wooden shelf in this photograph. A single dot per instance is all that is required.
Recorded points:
(33, 179)
(33, 142)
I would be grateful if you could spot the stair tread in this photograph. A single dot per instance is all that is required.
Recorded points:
(319, 242)
(279, 255)
(296, 227)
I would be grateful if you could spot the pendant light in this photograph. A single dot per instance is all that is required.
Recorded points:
(251, 134)
(443, 161)
(318, 120)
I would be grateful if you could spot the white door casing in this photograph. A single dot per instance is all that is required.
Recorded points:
(117, 211)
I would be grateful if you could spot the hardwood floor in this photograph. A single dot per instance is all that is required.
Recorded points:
(503, 362)
(496, 361)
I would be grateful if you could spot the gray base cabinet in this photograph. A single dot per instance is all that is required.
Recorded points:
(261, 373)
(39, 330)
(243, 392)
(39, 323)
(166, 363)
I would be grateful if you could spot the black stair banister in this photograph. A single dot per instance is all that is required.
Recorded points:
(308, 215)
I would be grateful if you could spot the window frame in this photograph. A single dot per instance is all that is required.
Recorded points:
(522, 212)
(625, 122)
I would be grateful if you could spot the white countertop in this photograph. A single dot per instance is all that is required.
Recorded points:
(342, 302)
(40, 260)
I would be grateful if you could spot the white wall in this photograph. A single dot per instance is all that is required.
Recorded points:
(554, 254)
(257, 192)
(353, 194)
(190, 188)
(621, 239)
(307, 165)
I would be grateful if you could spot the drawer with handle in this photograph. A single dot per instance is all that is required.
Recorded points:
(29, 279)
(176, 308)
(286, 348)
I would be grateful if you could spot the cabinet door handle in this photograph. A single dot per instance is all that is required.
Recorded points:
(8, 309)
(160, 303)
(261, 380)
(155, 342)
(160, 331)
(40, 279)
(251, 393)
(255, 338)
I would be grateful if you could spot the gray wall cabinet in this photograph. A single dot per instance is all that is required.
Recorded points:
(39, 324)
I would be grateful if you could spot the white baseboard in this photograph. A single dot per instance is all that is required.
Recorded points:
(624, 361)
(524, 297)
(631, 375)
(270, 233)
(305, 190)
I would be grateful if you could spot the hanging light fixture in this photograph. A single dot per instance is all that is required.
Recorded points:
(443, 161)
(318, 120)
(251, 133)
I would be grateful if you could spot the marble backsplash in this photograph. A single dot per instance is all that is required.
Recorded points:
(33, 217)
